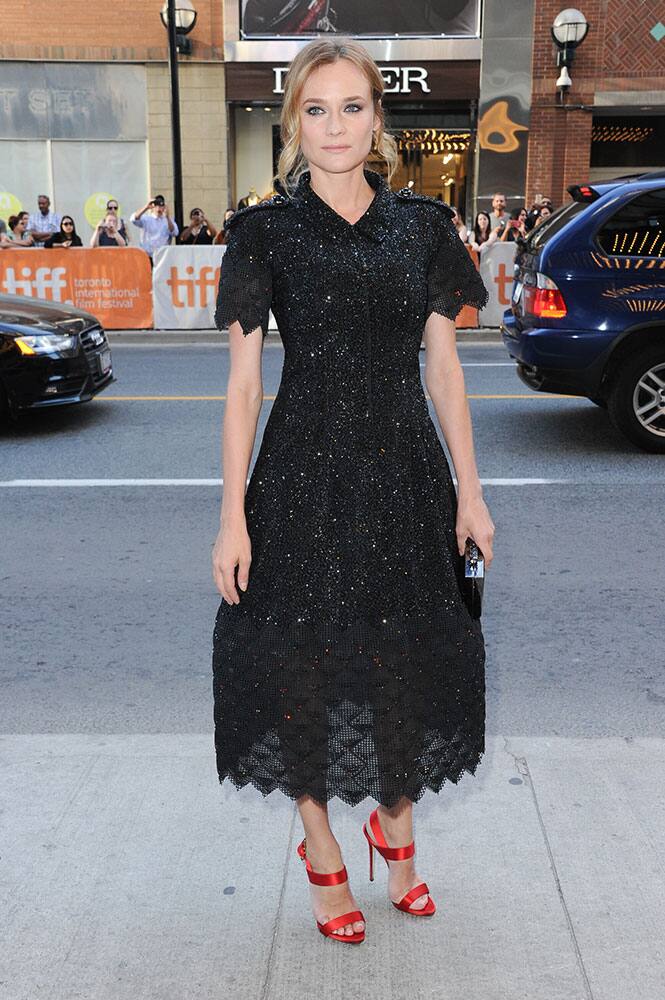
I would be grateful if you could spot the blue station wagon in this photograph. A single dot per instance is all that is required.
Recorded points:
(588, 303)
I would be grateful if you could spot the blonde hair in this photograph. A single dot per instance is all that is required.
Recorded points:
(320, 52)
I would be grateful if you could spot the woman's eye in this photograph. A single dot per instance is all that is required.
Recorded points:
(314, 109)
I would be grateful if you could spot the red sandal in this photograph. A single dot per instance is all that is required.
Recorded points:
(335, 878)
(378, 843)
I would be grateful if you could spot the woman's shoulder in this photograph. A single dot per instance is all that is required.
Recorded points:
(421, 204)
(255, 219)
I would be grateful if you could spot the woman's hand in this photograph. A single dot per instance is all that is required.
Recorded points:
(232, 548)
(473, 519)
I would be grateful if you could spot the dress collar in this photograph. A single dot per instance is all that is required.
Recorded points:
(372, 224)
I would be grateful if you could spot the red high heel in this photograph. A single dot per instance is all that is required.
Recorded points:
(378, 843)
(335, 878)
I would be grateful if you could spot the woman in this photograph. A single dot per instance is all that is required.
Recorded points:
(113, 207)
(199, 231)
(18, 237)
(483, 235)
(544, 212)
(345, 662)
(222, 236)
(66, 237)
(107, 234)
(516, 226)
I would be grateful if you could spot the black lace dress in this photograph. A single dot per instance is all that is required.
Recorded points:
(350, 667)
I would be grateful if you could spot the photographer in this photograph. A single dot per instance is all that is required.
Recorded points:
(156, 225)
(107, 234)
(199, 230)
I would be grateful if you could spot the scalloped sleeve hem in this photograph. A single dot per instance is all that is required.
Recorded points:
(453, 281)
(244, 293)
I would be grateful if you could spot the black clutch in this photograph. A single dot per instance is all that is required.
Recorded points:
(472, 578)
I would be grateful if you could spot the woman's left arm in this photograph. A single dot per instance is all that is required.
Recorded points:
(444, 380)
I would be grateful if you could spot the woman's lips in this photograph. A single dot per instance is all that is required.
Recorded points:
(336, 149)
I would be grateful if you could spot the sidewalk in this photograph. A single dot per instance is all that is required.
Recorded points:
(130, 874)
(178, 337)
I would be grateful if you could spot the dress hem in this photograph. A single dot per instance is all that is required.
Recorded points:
(414, 794)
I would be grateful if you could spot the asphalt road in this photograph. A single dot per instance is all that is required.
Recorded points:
(108, 601)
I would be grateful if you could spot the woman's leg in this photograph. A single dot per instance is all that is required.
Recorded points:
(397, 826)
(325, 857)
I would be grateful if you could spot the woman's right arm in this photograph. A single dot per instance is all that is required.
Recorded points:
(244, 398)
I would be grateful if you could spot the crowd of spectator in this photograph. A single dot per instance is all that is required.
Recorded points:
(45, 228)
(158, 228)
(499, 226)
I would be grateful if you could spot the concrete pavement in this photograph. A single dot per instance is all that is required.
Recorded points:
(130, 874)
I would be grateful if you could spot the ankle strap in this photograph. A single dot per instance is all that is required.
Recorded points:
(389, 853)
(318, 878)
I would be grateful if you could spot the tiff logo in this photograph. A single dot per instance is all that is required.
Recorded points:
(44, 282)
(206, 281)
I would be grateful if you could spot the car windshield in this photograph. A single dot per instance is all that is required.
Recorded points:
(539, 236)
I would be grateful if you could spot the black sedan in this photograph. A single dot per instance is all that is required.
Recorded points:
(50, 354)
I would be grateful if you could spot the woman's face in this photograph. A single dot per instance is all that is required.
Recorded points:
(522, 216)
(483, 221)
(545, 212)
(336, 117)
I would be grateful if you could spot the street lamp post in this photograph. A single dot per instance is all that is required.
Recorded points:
(569, 30)
(178, 17)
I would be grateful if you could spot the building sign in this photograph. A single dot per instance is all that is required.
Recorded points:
(398, 79)
(431, 82)
(377, 18)
(72, 101)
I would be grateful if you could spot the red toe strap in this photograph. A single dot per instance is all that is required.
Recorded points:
(413, 894)
(337, 922)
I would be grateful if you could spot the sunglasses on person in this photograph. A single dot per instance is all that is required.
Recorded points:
(112, 208)
(66, 223)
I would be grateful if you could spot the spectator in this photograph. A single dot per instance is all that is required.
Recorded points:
(483, 235)
(107, 233)
(67, 237)
(158, 228)
(545, 212)
(221, 237)
(112, 206)
(18, 237)
(458, 223)
(199, 230)
(516, 226)
(43, 223)
(498, 213)
(3, 226)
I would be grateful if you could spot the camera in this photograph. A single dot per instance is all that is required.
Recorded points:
(158, 200)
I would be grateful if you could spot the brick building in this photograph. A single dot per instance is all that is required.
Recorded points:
(614, 122)
(84, 100)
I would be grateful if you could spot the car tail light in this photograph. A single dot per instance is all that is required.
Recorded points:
(545, 300)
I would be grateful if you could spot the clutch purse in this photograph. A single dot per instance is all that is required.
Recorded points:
(473, 578)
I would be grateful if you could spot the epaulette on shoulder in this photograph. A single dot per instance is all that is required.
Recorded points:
(407, 194)
(277, 201)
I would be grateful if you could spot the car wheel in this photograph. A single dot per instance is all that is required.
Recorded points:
(637, 399)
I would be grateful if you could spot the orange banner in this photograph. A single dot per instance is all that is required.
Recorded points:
(112, 283)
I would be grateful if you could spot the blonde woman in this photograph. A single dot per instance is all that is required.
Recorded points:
(345, 662)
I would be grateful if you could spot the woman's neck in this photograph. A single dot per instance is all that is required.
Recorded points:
(347, 193)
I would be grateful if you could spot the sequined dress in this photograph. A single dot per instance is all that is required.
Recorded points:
(350, 667)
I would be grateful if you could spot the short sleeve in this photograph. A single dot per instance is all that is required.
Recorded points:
(453, 280)
(245, 281)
